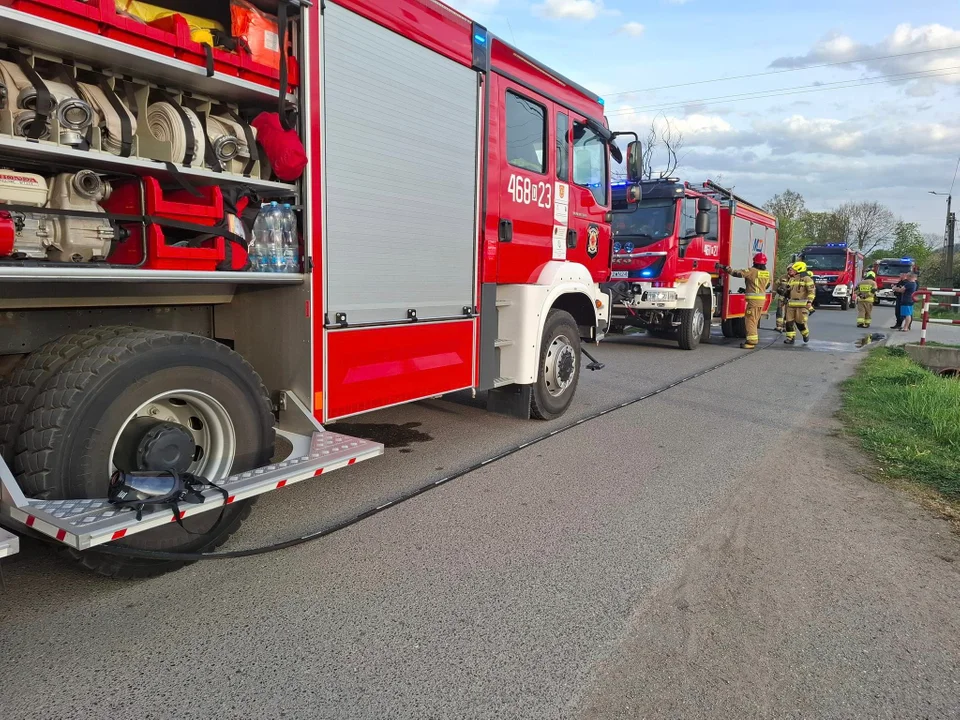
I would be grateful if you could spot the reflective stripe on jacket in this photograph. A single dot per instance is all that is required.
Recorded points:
(801, 291)
(866, 289)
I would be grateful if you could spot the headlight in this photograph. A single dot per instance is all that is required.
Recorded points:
(660, 296)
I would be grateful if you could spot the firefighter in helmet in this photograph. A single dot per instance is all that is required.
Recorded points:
(866, 290)
(801, 292)
(757, 280)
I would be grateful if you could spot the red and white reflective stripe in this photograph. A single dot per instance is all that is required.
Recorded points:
(927, 294)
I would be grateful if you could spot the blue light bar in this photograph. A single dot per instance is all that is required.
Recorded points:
(909, 260)
(600, 100)
(843, 245)
(480, 39)
(646, 273)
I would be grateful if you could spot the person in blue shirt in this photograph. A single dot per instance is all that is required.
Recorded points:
(906, 300)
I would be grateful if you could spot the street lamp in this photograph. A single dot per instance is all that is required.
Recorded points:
(951, 221)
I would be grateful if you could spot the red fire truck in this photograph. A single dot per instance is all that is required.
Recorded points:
(665, 254)
(888, 272)
(455, 227)
(837, 270)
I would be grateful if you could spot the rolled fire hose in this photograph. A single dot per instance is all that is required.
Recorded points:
(165, 125)
(228, 138)
(107, 117)
(74, 115)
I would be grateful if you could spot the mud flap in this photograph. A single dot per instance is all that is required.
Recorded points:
(512, 400)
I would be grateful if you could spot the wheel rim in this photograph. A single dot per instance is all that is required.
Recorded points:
(697, 323)
(560, 365)
(203, 417)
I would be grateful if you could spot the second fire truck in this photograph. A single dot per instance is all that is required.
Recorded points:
(665, 254)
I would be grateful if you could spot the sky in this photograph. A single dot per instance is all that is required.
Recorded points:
(882, 126)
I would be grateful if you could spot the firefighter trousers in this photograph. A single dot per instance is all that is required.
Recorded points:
(864, 312)
(797, 318)
(781, 312)
(752, 319)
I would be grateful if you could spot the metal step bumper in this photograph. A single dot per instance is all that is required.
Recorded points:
(86, 523)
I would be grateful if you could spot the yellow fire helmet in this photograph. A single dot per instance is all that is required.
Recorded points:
(869, 274)
(799, 267)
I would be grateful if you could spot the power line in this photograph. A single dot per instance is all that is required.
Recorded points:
(955, 176)
(796, 90)
(780, 72)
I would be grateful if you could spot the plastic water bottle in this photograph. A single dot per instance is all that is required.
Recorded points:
(290, 241)
(273, 240)
(255, 250)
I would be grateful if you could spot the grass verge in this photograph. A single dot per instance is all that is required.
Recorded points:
(908, 420)
(940, 313)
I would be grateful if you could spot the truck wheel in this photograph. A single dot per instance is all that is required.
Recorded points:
(98, 408)
(727, 328)
(691, 325)
(876, 301)
(708, 319)
(845, 304)
(740, 327)
(31, 375)
(559, 367)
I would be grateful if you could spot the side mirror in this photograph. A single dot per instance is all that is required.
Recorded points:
(635, 161)
(703, 222)
(704, 205)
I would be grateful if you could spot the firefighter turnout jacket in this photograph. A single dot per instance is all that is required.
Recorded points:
(800, 291)
(866, 290)
(757, 282)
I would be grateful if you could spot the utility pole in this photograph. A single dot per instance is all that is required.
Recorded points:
(951, 224)
(948, 240)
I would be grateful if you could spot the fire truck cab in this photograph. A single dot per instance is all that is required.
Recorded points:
(836, 271)
(665, 257)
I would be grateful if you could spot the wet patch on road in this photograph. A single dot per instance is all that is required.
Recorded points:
(866, 341)
(392, 436)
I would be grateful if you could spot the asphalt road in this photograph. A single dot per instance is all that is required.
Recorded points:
(708, 552)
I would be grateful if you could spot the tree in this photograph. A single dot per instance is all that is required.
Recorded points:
(662, 133)
(789, 208)
(909, 242)
(826, 227)
(787, 205)
(871, 225)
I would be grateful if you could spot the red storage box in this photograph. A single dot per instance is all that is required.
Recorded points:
(161, 256)
(125, 29)
(171, 204)
(270, 76)
(76, 14)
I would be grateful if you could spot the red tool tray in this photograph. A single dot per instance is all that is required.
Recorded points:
(162, 256)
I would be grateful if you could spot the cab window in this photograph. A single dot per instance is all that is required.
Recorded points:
(590, 161)
(688, 218)
(563, 147)
(526, 134)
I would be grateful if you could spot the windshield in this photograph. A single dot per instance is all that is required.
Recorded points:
(888, 269)
(825, 261)
(651, 222)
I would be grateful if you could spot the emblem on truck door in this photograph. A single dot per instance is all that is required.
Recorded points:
(593, 240)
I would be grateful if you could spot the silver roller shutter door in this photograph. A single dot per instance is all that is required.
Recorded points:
(400, 137)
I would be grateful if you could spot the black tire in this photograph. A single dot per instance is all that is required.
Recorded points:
(740, 327)
(727, 328)
(845, 304)
(64, 448)
(31, 375)
(876, 301)
(543, 404)
(691, 325)
(708, 319)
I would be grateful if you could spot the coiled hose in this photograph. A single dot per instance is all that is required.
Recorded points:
(164, 123)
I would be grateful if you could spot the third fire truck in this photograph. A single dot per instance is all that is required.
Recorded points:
(837, 269)
(665, 256)
(888, 272)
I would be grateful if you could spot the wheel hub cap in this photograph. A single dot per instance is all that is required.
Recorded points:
(560, 366)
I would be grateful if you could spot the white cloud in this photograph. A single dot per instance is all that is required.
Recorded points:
(569, 9)
(912, 45)
(633, 29)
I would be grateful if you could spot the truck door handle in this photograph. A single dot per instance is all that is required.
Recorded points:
(506, 231)
(571, 239)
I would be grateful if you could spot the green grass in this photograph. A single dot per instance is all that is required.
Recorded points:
(907, 418)
(942, 313)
